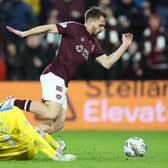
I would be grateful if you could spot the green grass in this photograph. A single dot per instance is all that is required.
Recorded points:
(102, 149)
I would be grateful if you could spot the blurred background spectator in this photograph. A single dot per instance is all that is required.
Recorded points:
(11, 61)
(69, 10)
(51, 41)
(146, 58)
(2, 61)
(155, 49)
(45, 7)
(132, 63)
(31, 59)
(130, 18)
(161, 8)
(19, 15)
(35, 5)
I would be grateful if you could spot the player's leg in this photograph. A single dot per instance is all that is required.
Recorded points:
(58, 123)
(51, 126)
(54, 95)
(52, 111)
(46, 110)
(54, 92)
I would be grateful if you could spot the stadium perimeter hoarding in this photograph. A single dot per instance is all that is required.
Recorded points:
(105, 105)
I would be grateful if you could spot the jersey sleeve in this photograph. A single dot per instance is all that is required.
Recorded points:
(97, 50)
(65, 28)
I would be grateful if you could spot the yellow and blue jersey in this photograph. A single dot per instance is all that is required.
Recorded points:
(18, 138)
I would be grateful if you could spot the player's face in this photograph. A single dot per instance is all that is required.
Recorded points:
(98, 25)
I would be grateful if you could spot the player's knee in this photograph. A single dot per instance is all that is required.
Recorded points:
(58, 124)
(53, 114)
(61, 125)
(56, 128)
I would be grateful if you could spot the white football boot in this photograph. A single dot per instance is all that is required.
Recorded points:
(65, 157)
(61, 146)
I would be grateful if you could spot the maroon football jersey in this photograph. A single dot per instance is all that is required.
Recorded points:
(76, 46)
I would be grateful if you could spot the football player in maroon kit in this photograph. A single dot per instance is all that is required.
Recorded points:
(78, 44)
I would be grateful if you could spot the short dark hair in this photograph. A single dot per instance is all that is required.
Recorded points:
(94, 12)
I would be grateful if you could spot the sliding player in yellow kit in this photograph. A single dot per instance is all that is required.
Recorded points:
(19, 140)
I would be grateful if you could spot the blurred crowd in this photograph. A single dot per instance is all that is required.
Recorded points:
(146, 58)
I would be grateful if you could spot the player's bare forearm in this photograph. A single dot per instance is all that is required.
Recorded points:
(34, 31)
(40, 30)
(115, 56)
(108, 61)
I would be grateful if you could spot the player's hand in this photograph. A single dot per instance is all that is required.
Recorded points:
(127, 39)
(15, 31)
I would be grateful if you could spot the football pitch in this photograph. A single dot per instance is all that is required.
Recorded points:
(102, 149)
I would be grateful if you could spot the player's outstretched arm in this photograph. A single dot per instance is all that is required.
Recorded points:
(108, 61)
(34, 31)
